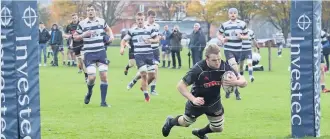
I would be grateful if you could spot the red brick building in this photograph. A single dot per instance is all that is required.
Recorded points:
(127, 17)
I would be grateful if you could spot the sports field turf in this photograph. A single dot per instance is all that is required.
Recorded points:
(263, 112)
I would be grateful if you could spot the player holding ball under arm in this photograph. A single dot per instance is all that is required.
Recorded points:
(204, 98)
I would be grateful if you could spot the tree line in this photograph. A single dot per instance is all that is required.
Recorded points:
(212, 11)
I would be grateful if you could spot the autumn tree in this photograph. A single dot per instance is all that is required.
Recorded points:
(81, 7)
(111, 11)
(278, 14)
(326, 14)
(247, 9)
(208, 12)
(61, 12)
(43, 14)
(169, 8)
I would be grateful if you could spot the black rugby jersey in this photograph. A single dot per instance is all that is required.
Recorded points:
(206, 82)
(71, 29)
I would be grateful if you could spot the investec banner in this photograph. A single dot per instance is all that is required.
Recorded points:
(9, 116)
(305, 68)
(23, 51)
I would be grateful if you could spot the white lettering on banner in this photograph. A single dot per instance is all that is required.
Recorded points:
(6, 18)
(23, 86)
(3, 97)
(30, 19)
(295, 84)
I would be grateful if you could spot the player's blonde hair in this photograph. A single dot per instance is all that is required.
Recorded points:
(212, 49)
(139, 14)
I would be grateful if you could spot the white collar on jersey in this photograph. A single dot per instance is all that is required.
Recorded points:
(236, 21)
(94, 20)
(144, 27)
(148, 24)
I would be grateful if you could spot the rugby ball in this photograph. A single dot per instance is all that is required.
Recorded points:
(225, 76)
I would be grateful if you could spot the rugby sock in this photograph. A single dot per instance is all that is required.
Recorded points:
(241, 72)
(323, 86)
(168, 63)
(279, 52)
(104, 91)
(250, 71)
(164, 63)
(205, 130)
(127, 67)
(134, 81)
(90, 88)
(137, 77)
(175, 121)
(146, 95)
(236, 91)
(153, 86)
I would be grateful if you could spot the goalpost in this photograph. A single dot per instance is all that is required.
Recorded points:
(305, 24)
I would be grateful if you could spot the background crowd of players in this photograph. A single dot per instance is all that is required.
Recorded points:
(53, 42)
(87, 52)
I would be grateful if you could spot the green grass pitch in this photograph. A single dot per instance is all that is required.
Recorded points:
(263, 112)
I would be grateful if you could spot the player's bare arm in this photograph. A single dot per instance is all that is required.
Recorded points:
(78, 37)
(153, 40)
(109, 32)
(243, 36)
(123, 46)
(240, 81)
(183, 89)
(256, 44)
(66, 35)
(222, 37)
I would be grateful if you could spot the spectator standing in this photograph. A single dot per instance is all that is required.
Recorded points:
(175, 46)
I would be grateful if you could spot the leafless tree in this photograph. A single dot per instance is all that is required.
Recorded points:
(111, 11)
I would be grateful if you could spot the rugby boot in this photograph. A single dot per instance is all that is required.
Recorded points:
(104, 104)
(238, 96)
(227, 94)
(195, 132)
(154, 93)
(146, 97)
(167, 126)
(252, 79)
(125, 72)
(87, 98)
(130, 86)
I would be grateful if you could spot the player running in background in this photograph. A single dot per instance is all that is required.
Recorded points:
(165, 42)
(247, 53)
(205, 78)
(142, 37)
(76, 45)
(231, 34)
(131, 60)
(155, 48)
(90, 30)
(324, 40)
(279, 41)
